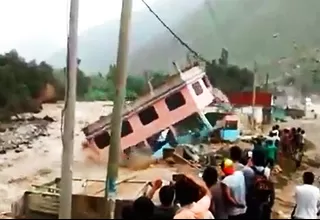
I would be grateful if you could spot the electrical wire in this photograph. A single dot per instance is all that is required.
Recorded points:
(192, 51)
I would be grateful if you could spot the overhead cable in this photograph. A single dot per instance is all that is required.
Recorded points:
(192, 51)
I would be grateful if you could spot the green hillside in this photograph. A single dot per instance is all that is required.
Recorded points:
(245, 27)
(97, 46)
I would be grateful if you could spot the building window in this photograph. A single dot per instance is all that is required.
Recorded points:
(206, 81)
(102, 140)
(197, 88)
(148, 115)
(126, 128)
(231, 125)
(175, 101)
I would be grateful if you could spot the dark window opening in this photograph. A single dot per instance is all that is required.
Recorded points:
(127, 151)
(175, 101)
(206, 81)
(231, 125)
(197, 88)
(102, 140)
(126, 128)
(148, 115)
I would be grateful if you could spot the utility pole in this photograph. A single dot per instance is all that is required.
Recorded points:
(68, 120)
(255, 69)
(267, 82)
(116, 121)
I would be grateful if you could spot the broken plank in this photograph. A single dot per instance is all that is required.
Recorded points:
(178, 157)
(125, 179)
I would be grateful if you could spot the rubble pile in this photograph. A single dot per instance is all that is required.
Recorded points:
(18, 135)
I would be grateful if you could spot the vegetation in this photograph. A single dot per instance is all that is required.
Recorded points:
(24, 84)
(21, 83)
(250, 29)
(228, 78)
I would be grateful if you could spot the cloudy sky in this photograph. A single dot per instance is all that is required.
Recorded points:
(38, 27)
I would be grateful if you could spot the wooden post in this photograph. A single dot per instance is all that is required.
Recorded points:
(70, 101)
(116, 121)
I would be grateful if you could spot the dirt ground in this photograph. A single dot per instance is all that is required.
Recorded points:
(42, 163)
(284, 193)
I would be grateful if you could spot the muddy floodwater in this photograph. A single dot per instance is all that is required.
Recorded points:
(41, 162)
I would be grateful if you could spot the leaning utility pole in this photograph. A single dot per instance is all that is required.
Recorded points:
(69, 118)
(255, 69)
(116, 121)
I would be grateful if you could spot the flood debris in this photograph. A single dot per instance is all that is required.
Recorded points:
(164, 118)
(19, 134)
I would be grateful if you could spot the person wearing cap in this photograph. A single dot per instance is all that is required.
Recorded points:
(234, 190)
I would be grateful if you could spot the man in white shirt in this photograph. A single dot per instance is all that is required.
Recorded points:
(307, 198)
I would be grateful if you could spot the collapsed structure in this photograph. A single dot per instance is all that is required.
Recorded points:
(150, 121)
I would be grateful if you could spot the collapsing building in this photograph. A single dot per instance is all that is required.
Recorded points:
(153, 118)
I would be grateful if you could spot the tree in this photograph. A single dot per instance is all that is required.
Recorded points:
(228, 78)
(21, 83)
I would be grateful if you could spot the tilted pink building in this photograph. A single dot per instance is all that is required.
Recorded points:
(184, 94)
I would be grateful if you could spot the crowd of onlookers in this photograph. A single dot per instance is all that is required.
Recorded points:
(241, 187)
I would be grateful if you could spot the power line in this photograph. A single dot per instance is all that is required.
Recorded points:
(196, 54)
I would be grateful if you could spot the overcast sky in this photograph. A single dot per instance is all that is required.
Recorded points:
(42, 24)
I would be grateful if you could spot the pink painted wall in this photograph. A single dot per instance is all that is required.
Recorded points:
(205, 98)
(166, 118)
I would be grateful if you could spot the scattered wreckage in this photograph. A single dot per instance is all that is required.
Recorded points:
(169, 124)
(172, 114)
(88, 202)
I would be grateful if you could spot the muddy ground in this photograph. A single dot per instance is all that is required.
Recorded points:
(40, 159)
(290, 177)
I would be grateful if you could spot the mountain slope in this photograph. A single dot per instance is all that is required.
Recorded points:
(245, 27)
(98, 45)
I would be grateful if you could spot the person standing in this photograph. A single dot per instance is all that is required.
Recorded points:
(270, 152)
(218, 207)
(234, 190)
(307, 199)
(260, 190)
(235, 156)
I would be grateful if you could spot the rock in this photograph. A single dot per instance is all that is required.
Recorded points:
(16, 146)
(3, 151)
(10, 147)
(29, 146)
(18, 150)
(43, 134)
(48, 118)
